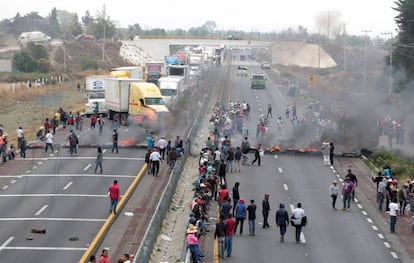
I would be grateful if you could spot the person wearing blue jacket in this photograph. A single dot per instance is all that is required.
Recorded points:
(241, 212)
(282, 221)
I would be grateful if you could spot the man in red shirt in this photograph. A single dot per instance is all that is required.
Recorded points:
(229, 232)
(113, 194)
(223, 194)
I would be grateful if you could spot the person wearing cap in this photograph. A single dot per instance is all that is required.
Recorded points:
(155, 158)
(115, 141)
(192, 243)
(241, 212)
(334, 191)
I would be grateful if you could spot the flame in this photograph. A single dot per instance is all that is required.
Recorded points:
(128, 142)
(302, 150)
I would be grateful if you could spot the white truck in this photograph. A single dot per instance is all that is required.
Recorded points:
(95, 94)
(34, 36)
(171, 88)
(133, 72)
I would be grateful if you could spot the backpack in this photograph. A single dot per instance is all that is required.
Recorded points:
(73, 139)
(245, 147)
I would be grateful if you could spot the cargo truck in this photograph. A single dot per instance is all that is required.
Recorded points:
(95, 94)
(153, 71)
(135, 101)
(133, 72)
(171, 89)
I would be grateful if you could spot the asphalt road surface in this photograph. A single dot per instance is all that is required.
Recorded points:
(62, 195)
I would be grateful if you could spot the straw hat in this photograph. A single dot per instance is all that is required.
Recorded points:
(334, 182)
(192, 229)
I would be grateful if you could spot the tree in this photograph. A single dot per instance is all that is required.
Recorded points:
(87, 19)
(54, 27)
(134, 30)
(209, 26)
(102, 26)
(22, 61)
(37, 51)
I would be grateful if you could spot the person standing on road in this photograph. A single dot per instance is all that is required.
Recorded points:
(241, 212)
(150, 141)
(192, 243)
(265, 210)
(334, 192)
(99, 159)
(403, 198)
(393, 214)
(282, 221)
(251, 209)
(219, 234)
(325, 152)
(20, 136)
(297, 214)
(115, 141)
(162, 145)
(331, 152)
(257, 152)
(228, 240)
(104, 256)
(49, 141)
(101, 122)
(237, 158)
(236, 195)
(269, 111)
(113, 193)
(148, 162)
(93, 123)
(354, 180)
(73, 142)
(279, 126)
(347, 190)
(155, 161)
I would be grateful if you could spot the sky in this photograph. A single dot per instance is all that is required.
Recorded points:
(376, 16)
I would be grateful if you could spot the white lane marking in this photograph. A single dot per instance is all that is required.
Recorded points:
(67, 186)
(359, 206)
(364, 213)
(77, 175)
(52, 154)
(260, 109)
(369, 220)
(340, 180)
(276, 156)
(292, 207)
(41, 210)
(5, 219)
(125, 130)
(387, 245)
(375, 228)
(28, 171)
(285, 187)
(5, 187)
(4, 245)
(47, 248)
(87, 167)
(83, 158)
(104, 150)
(280, 170)
(13, 181)
(34, 167)
(302, 238)
(338, 175)
(53, 195)
(380, 236)
(394, 255)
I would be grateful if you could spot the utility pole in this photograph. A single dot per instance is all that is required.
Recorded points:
(319, 49)
(104, 29)
(329, 20)
(390, 67)
(344, 36)
(365, 57)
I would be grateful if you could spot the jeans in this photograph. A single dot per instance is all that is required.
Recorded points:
(155, 167)
(229, 165)
(162, 153)
(282, 228)
(194, 253)
(333, 200)
(298, 230)
(393, 221)
(98, 164)
(221, 247)
(228, 245)
(49, 145)
(380, 200)
(241, 221)
(251, 227)
(72, 149)
(115, 147)
(347, 201)
(265, 218)
(171, 163)
(114, 203)
(100, 129)
(403, 205)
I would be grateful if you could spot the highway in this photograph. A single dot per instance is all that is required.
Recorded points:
(62, 195)
(330, 236)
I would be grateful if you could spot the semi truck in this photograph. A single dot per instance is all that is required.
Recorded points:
(153, 71)
(179, 70)
(95, 94)
(171, 89)
(133, 72)
(135, 101)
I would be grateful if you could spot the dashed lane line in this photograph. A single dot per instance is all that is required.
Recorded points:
(82, 158)
(4, 245)
(67, 186)
(41, 210)
(47, 248)
(53, 195)
(369, 220)
(87, 167)
(5, 219)
(70, 175)
(280, 170)
(375, 228)
(380, 236)
(394, 255)
(364, 213)
(387, 245)
(285, 187)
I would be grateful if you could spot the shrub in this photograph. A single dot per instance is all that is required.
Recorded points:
(86, 64)
(22, 61)
(43, 65)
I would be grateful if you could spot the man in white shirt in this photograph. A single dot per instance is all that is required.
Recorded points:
(49, 141)
(393, 214)
(155, 160)
(162, 145)
(297, 214)
(20, 136)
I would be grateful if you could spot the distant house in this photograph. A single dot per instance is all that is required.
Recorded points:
(5, 65)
